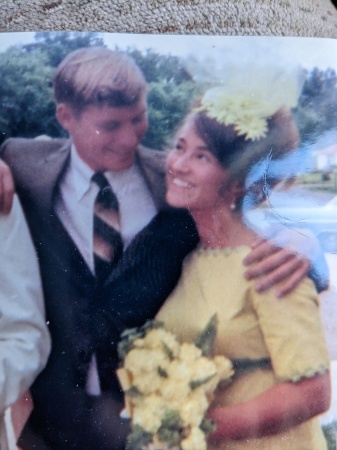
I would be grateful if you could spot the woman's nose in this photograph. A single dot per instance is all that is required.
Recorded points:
(181, 163)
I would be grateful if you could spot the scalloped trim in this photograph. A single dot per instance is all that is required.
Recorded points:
(308, 373)
(221, 251)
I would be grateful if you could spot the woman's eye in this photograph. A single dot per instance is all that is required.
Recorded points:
(178, 147)
(203, 157)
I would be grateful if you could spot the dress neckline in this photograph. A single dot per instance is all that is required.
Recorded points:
(228, 250)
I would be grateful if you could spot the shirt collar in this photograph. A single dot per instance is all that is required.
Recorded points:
(81, 174)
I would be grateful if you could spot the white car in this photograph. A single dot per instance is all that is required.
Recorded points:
(320, 219)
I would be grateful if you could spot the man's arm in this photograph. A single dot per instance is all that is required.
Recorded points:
(268, 263)
(285, 259)
(24, 339)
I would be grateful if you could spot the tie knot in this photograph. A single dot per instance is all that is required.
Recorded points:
(100, 179)
(105, 196)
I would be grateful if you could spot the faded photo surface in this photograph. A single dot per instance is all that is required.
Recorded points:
(186, 180)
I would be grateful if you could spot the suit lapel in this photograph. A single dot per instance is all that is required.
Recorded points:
(51, 170)
(152, 164)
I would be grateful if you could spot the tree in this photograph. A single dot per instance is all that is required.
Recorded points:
(27, 107)
(317, 106)
(168, 105)
(56, 46)
(26, 100)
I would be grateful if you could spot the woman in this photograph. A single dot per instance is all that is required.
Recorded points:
(277, 346)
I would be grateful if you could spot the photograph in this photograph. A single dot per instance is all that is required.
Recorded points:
(168, 207)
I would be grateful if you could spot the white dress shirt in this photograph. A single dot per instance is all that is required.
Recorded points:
(74, 206)
(75, 203)
(24, 338)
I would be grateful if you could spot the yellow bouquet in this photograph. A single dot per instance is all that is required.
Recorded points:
(168, 386)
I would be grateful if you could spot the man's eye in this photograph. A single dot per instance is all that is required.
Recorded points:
(110, 127)
(138, 119)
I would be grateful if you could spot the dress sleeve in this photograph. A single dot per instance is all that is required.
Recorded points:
(293, 332)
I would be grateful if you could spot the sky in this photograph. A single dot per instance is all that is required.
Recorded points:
(307, 52)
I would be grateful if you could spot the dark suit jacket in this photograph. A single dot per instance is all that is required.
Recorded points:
(83, 317)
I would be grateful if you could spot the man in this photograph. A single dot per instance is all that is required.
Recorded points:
(101, 102)
(24, 339)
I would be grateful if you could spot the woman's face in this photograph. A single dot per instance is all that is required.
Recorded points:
(194, 176)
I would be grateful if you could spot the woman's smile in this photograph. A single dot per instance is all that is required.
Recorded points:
(194, 176)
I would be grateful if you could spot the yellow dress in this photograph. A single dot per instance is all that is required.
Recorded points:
(253, 326)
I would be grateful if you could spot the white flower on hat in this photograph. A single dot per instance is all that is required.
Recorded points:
(248, 93)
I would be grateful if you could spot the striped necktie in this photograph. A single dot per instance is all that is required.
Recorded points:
(107, 244)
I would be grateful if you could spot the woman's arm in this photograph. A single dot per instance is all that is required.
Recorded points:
(283, 406)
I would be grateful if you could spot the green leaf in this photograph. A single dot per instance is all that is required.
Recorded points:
(196, 383)
(171, 419)
(207, 426)
(170, 430)
(124, 347)
(162, 372)
(138, 438)
(206, 338)
(131, 334)
(133, 392)
(152, 324)
(167, 351)
(169, 436)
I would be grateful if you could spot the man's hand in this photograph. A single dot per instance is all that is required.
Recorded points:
(7, 188)
(272, 265)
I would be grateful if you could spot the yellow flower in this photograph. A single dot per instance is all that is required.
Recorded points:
(174, 390)
(155, 338)
(148, 382)
(189, 352)
(140, 360)
(195, 440)
(193, 409)
(180, 370)
(203, 368)
(148, 413)
(224, 367)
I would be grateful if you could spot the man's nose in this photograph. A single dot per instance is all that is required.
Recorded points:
(129, 139)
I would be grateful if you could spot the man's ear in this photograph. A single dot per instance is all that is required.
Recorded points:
(65, 116)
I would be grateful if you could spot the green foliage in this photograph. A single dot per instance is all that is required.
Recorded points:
(133, 392)
(26, 99)
(330, 433)
(207, 426)
(131, 334)
(317, 107)
(160, 68)
(168, 105)
(56, 46)
(27, 107)
(138, 438)
(194, 384)
(162, 372)
(170, 428)
(206, 338)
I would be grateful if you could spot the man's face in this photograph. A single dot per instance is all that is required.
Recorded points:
(106, 138)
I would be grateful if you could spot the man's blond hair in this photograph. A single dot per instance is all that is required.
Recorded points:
(98, 76)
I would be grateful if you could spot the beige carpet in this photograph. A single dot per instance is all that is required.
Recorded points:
(316, 18)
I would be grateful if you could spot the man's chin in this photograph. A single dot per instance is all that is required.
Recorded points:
(118, 166)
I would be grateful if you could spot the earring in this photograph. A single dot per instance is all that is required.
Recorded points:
(233, 205)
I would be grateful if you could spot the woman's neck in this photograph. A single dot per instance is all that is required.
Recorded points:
(221, 227)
